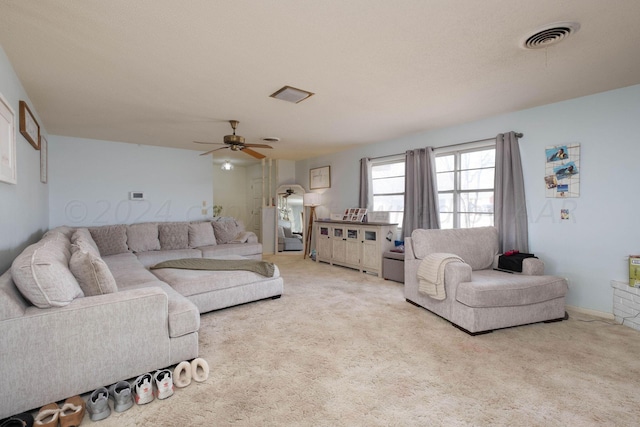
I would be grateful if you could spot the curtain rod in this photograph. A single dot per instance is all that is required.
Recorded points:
(518, 135)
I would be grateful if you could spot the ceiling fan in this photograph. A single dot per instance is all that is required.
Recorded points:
(287, 193)
(236, 143)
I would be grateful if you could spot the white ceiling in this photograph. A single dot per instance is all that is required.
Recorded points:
(166, 73)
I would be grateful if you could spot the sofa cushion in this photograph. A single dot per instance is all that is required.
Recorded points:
(226, 231)
(243, 249)
(41, 273)
(110, 239)
(476, 246)
(143, 237)
(173, 235)
(201, 234)
(93, 275)
(128, 270)
(489, 288)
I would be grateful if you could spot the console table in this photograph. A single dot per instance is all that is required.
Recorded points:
(358, 245)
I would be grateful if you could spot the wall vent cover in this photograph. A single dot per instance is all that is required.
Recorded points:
(550, 35)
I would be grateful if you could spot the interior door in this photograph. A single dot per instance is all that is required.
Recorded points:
(256, 206)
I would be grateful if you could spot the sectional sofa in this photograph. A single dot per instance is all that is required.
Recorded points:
(80, 309)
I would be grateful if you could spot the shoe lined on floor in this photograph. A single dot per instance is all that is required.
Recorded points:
(20, 420)
(98, 404)
(199, 369)
(72, 412)
(121, 394)
(182, 374)
(142, 389)
(47, 416)
(164, 383)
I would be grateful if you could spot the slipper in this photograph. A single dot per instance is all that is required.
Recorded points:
(72, 412)
(47, 416)
(182, 374)
(199, 369)
(21, 420)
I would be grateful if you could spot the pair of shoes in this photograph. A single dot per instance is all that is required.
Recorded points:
(143, 386)
(198, 369)
(69, 415)
(21, 420)
(98, 404)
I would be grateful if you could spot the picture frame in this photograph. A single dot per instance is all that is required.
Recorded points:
(44, 159)
(320, 178)
(29, 127)
(8, 171)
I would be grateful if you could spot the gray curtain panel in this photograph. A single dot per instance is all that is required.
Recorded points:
(420, 191)
(510, 209)
(366, 192)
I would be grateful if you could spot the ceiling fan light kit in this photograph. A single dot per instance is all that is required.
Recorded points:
(227, 166)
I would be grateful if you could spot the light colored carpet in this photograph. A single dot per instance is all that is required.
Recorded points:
(341, 348)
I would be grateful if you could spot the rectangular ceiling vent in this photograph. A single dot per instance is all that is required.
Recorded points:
(291, 94)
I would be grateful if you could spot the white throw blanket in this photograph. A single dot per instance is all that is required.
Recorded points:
(431, 274)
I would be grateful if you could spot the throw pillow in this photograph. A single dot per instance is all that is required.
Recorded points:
(242, 237)
(92, 273)
(226, 231)
(174, 235)
(143, 237)
(82, 239)
(201, 234)
(111, 239)
(41, 274)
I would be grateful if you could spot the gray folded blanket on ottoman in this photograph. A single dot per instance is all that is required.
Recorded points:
(261, 267)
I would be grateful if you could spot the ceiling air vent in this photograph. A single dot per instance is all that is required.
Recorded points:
(291, 94)
(550, 35)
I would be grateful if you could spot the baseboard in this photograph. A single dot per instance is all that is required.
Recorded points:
(596, 313)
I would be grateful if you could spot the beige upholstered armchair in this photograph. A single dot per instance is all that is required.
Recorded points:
(459, 282)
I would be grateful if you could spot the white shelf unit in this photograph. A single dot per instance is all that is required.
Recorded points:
(354, 244)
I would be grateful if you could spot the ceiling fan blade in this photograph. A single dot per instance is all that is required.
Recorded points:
(255, 154)
(211, 151)
(201, 142)
(258, 145)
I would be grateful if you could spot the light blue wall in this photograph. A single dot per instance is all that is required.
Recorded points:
(24, 207)
(90, 182)
(592, 247)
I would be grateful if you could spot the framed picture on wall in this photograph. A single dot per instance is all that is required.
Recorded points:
(8, 171)
(29, 127)
(320, 178)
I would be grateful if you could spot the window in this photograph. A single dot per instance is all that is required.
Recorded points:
(387, 183)
(465, 187)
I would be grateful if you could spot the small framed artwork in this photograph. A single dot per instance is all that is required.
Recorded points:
(354, 214)
(320, 178)
(44, 159)
(562, 170)
(8, 171)
(29, 127)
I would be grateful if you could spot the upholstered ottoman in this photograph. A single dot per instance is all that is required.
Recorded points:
(213, 290)
(393, 266)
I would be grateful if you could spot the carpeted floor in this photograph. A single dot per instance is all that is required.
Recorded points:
(341, 348)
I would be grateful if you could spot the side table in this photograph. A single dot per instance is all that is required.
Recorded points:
(393, 266)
